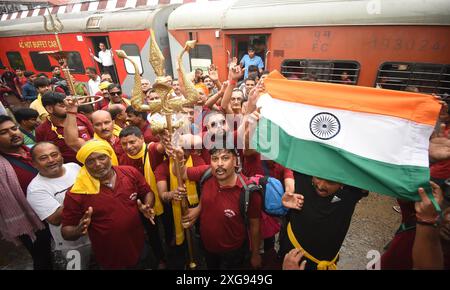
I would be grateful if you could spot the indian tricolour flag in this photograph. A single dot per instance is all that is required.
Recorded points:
(370, 138)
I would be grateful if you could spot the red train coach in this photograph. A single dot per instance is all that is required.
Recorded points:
(394, 44)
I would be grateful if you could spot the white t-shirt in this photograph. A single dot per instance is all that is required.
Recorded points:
(46, 195)
(93, 86)
(105, 57)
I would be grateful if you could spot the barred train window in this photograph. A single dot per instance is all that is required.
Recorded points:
(15, 60)
(40, 61)
(426, 77)
(332, 71)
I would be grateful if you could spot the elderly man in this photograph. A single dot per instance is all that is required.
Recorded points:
(119, 117)
(46, 194)
(145, 85)
(105, 202)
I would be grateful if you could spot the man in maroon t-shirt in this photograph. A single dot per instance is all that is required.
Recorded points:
(19, 157)
(135, 154)
(52, 129)
(103, 129)
(109, 212)
(222, 228)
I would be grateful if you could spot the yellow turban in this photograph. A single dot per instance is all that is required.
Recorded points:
(104, 85)
(85, 183)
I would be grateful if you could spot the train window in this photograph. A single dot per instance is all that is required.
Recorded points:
(1, 65)
(201, 57)
(132, 50)
(15, 60)
(75, 63)
(425, 77)
(40, 61)
(332, 71)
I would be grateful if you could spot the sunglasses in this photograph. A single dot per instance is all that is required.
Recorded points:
(215, 124)
(116, 93)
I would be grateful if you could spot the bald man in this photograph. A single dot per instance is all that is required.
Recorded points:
(103, 129)
(119, 116)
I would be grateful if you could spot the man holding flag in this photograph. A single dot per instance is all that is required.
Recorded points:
(341, 139)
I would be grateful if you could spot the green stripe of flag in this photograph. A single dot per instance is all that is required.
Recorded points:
(328, 162)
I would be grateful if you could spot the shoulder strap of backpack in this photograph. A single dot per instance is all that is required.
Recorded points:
(244, 200)
(265, 167)
(206, 175)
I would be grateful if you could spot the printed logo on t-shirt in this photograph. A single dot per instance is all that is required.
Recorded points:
(133, 196)
(229, 213)
(335, 199)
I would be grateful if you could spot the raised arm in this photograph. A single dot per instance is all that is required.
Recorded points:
(234, 74)
(70, 125)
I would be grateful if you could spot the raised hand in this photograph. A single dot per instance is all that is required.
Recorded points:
(71, 104)
(212, 72)
(425, 210)
(439, 145)
(292, 260)
(224, 87)
(292, 200)
(146, 210)
(85, 221)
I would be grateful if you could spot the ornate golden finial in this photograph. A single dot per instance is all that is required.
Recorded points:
(138, 97)
(156, 58)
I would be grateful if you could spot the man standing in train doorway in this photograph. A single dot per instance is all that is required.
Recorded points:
(105, 57)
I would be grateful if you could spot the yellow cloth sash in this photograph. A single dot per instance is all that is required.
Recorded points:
(321, 265)
(85, 183)
(149, 177)
(192, 196)
(114, 158)
(116, 130)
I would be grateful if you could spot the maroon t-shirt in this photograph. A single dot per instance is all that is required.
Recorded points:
(23, 175)
(162, 171)
(279, 171)
(222, 226)
(116, 231)
(156, 159)
(117, 147)
(85, 131)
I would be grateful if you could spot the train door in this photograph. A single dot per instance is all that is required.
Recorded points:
(95, 48)
(241, 42)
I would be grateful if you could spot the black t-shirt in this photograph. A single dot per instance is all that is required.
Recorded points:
(322, 224)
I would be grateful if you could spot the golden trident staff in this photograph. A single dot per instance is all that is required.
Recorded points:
(167, 107)
(54, 25)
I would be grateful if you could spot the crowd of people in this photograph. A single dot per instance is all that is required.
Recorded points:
(99, 179)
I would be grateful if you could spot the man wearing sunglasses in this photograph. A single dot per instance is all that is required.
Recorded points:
(116, 97)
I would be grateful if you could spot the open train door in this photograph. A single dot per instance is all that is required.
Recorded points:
(93, 45)
(239, 43)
